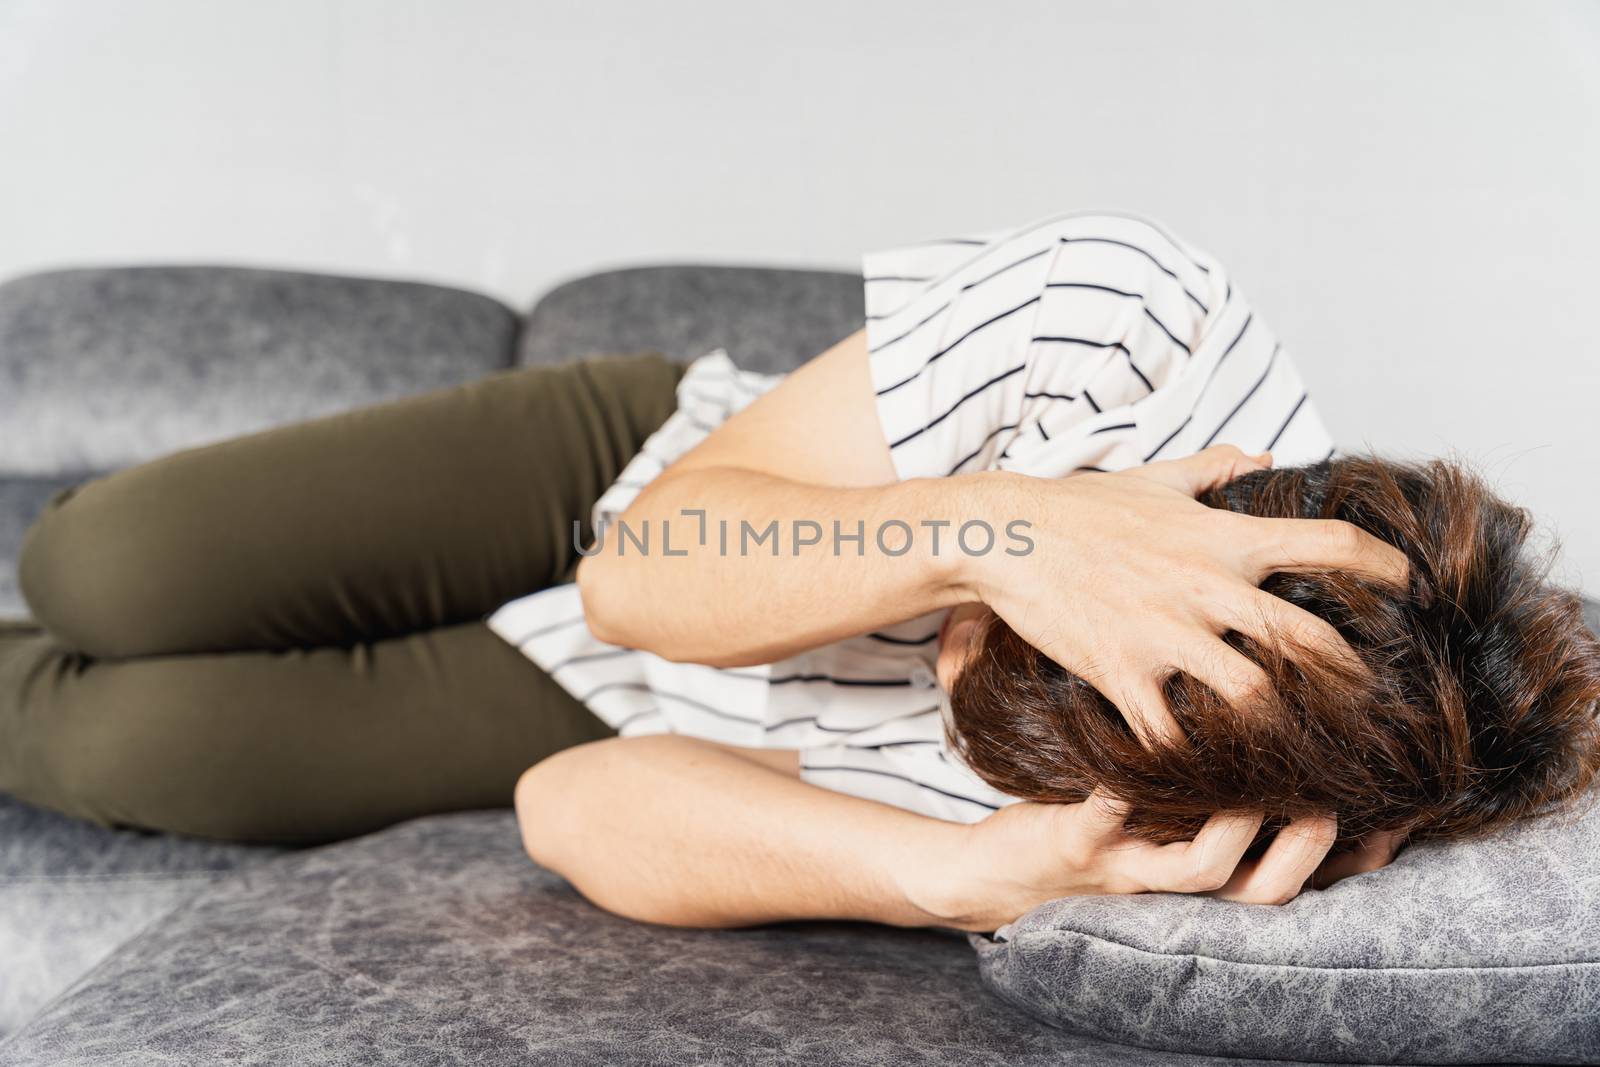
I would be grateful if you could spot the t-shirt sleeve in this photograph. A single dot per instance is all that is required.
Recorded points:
(948, 348)
(970, 338)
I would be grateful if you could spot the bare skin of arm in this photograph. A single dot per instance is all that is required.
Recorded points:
(1131, 579)
(626, 821)
(811, 449)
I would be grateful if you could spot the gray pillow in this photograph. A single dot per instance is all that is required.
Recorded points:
(1476, 952)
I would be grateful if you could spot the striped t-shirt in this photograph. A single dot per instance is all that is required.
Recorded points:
(1080, 343)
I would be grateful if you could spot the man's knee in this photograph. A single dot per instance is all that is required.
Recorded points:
(45, 564)
(82, 573)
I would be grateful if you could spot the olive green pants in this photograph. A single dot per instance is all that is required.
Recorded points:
(280, 637)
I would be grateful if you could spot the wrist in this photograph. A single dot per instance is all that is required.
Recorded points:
(934, 882)
(996, 499)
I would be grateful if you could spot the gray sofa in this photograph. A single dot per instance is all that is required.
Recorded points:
(435, 941)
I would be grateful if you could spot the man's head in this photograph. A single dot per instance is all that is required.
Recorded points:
(1474, 703)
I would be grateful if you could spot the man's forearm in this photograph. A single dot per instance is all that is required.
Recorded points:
(678, 831)
(761, 567)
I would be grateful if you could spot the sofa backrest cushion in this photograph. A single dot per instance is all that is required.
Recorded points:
(106, 367)
(769, 320)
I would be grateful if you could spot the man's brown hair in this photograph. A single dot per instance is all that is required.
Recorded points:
(1474, 704)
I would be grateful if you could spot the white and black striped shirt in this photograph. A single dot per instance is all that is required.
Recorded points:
(1081, 343)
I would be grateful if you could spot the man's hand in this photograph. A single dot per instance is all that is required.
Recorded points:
(1026, 854)
(1131, 578)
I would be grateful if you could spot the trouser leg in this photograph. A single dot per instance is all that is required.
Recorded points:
(296, 746)
(280, 637)
(428, 511)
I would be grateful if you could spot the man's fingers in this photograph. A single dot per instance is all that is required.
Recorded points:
(1145, 710)
(1291, 858)
(1300, 545)
(1101, 817)
(1272, 620)
(1225, 671)
(1376, 850)
(1204, 470)
(1206, 863)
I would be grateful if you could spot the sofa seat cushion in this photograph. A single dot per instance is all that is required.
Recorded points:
(439, 942)
(106, 367)
(71, 893)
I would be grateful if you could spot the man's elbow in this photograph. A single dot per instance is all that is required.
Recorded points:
(544, 816)
(613, 611)
(551, 817)
(601, 610)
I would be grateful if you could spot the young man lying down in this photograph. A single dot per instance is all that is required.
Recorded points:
(932, 630)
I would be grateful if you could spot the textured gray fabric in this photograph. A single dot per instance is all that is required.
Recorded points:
(35, 843)
(437, 942)
(54, 931)
(1455, 953)
(103, 368)
(71, 893)
(21, 499)
(768, 320)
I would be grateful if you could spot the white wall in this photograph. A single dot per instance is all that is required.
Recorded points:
(1403, 186)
